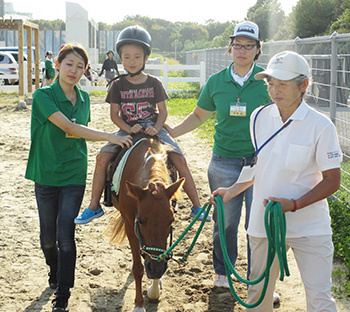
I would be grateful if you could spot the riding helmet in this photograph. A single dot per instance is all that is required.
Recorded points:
(134, 34)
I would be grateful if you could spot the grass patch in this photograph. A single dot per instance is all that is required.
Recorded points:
(192, 86)
(98, 93)
(182, 107)
(340, 216)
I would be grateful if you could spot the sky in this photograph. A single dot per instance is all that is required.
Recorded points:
(112, 11)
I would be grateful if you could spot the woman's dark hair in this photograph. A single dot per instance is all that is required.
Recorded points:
(73, 48)
(259, 46)
(68, 48)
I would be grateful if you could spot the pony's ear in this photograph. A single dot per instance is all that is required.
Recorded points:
(134, 190)
(171, 189)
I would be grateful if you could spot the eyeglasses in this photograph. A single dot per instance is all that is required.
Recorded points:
(238, 46)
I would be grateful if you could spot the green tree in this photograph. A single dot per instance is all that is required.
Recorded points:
(193, 33)
(342, 24)
(313, 17)
(222, 39)
(269, 15)
(215, 28)
(50, 25)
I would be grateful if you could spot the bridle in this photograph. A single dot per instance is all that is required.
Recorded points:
(146, 250)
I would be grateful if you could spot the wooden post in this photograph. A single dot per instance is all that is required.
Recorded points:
(20, 62)
(37, 78)
(30, 61)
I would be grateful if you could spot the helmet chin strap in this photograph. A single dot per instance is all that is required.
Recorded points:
(138, 72)
(128, 73)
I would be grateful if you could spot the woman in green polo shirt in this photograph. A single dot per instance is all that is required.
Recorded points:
(233, 93)
(57, 164)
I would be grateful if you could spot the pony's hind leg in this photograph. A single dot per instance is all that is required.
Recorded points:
(155, 289)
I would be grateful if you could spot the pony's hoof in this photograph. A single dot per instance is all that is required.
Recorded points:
(138, 309)
(154, 290)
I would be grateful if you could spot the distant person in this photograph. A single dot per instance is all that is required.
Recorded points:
(109, 66)
(145, 112)
(298, 166)
(49, 72)
(233, 93)
(57, 164)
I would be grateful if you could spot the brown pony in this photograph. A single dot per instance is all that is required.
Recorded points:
(144, 212)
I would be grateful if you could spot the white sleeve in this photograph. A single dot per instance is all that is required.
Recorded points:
(328, 151)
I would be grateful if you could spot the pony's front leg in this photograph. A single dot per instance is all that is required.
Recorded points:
(155, 289)
(137, 270)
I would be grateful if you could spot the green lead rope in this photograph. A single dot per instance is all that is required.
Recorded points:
(275, 225)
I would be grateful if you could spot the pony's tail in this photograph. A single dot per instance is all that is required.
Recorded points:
(115, 230)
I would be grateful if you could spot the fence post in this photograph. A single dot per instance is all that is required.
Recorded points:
(25, 78)
(165, 76)
(202, 75)
(333, 82)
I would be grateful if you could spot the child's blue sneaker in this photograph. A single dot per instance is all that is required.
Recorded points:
(88, 215)
(194, 212)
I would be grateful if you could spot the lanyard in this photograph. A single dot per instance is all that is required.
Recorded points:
(258, 149)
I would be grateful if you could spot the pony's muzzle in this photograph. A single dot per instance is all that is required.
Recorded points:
(155, 269)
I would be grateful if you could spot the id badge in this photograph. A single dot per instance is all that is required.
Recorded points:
(71, 136)
(247, 174)
(238, 109)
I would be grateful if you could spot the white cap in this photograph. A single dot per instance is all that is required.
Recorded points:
(285, 65)
(246, 29)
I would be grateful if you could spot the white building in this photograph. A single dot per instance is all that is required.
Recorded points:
(81, 29)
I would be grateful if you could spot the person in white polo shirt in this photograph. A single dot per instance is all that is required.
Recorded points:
(298, 165)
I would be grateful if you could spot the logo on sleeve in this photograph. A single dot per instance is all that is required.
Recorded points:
(332, 155)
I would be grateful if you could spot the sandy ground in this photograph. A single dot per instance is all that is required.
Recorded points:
(103, 278)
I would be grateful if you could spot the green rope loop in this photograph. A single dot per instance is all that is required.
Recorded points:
(275, 225)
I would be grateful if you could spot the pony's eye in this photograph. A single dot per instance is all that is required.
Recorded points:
(141, 221)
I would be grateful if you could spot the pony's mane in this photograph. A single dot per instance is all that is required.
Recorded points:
(158, 181)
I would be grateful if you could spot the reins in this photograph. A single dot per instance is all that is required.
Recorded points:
(275, 225)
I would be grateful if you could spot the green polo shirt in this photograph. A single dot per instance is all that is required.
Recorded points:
(234, 105)
(55, 159)
(49, 69)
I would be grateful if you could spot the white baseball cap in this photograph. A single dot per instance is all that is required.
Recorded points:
(246, 29)
(285, 65)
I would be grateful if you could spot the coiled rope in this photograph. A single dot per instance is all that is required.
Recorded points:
(275, 225)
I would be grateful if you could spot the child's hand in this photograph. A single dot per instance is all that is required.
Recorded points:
(122, 141)
(136, 128)
(151, 131)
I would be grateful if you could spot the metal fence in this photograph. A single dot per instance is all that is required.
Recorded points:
(329, 60)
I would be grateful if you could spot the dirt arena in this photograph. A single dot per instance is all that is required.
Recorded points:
(104, 282)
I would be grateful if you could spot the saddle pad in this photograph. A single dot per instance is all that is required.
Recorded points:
(120, 168)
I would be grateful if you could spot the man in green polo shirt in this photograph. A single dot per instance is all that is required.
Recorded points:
(49, 72)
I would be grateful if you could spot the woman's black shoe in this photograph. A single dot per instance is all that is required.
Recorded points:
(53, 279)
(61, 303)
